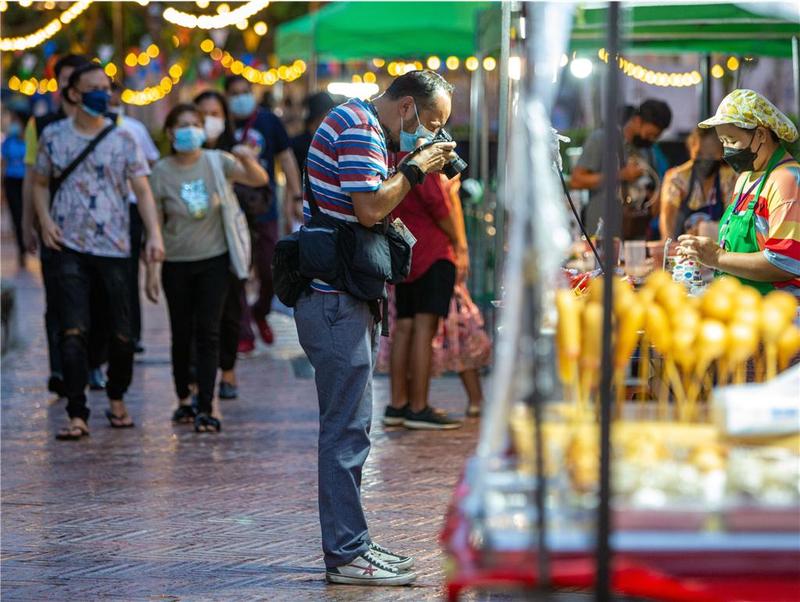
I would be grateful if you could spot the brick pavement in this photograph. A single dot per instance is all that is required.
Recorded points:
(158, 513)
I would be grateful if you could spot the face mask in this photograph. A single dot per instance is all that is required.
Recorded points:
(14, 129)
(706, 167)
(95, 102)
(408, 141)
(188, 139)
(640, 142)
(243, 105)
(214, 126)
(741, 159)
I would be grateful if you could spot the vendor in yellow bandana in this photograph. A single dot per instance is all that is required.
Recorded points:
(759, 238)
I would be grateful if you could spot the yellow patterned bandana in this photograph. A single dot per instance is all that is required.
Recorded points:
(748, 109)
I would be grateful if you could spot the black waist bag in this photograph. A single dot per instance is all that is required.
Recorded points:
(287, 281)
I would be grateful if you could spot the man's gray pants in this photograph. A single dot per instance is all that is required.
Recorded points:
(339, 335)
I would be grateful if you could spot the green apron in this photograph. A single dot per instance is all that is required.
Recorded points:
(738, 232)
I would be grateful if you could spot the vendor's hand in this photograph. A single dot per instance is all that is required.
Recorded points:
(152, 287)
(462, 264)
(154, 248)
(435, 157)
(631, 172)
(701, 248)
(52, 236)
(244, 152)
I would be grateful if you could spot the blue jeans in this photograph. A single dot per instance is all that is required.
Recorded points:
(340, 338)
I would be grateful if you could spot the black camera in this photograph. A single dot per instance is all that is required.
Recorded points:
(455, 166)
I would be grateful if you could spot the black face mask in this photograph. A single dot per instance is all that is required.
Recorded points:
(704, 168)
(741, 159)
(640, 142)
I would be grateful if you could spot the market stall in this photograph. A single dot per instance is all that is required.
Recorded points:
(622, 450)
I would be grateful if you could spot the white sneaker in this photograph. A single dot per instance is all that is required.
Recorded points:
(396, 560)
(368, 569)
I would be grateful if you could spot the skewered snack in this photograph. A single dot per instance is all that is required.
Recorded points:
(696, 341)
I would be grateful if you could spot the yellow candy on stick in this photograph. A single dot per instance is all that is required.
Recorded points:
(711, 345)
(628, 327)
(742, 344)
(775, 319)
(568, 340)
(785, 301)
(591, 344)
(788, 346)
(717, 304)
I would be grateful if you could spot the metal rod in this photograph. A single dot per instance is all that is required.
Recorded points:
(705, 87)
(504, 115)
(611, 215)
(796, 73)
(473, 225)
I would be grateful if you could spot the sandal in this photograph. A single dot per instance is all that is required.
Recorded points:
(118, 422)
(73, 432)
(184, 415)
(204, 423)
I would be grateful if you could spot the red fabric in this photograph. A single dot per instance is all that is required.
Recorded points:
(421, 210)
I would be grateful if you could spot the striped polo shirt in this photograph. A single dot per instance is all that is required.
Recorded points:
(777, 219)
(348, 154)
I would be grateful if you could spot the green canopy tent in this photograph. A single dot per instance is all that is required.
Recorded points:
(363, 30)
(700, 28)
(677, 28)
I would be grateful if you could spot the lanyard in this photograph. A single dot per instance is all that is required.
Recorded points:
(773, 163)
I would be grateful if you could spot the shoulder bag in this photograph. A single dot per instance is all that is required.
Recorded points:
(237, 232)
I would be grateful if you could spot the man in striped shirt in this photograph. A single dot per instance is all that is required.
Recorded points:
(349, 177)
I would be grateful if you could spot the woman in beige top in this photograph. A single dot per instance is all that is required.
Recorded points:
(195, 271)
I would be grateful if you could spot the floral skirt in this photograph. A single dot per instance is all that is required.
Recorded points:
(461, 342)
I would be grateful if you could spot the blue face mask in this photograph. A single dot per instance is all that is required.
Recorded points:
(14, 129)
(408, 140)
(243, 105)
(95, 102)
(188, 139)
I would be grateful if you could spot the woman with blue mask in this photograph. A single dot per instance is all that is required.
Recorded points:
(195, 272)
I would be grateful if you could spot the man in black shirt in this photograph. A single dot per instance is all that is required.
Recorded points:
(63, 69)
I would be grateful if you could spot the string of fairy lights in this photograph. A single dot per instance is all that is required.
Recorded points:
(239, 17)
(268, 77)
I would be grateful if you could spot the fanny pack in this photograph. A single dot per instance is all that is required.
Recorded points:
(287, 281)
(346, 255)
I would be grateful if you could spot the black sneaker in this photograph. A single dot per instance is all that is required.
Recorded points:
(227, 390)
(430, 419)
(394, 417)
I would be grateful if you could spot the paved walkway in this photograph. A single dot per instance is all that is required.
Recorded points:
(158, 513)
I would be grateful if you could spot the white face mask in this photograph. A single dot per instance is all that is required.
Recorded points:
(214, 126)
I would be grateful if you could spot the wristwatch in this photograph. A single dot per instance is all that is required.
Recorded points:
(412, 172)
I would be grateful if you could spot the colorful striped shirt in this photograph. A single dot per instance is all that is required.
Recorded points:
(777, 219)
(347, 154)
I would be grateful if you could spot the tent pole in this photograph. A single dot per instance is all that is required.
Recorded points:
(504, 115)
(796, 73)
(474, 224)
(611, 217)
(705, 87)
